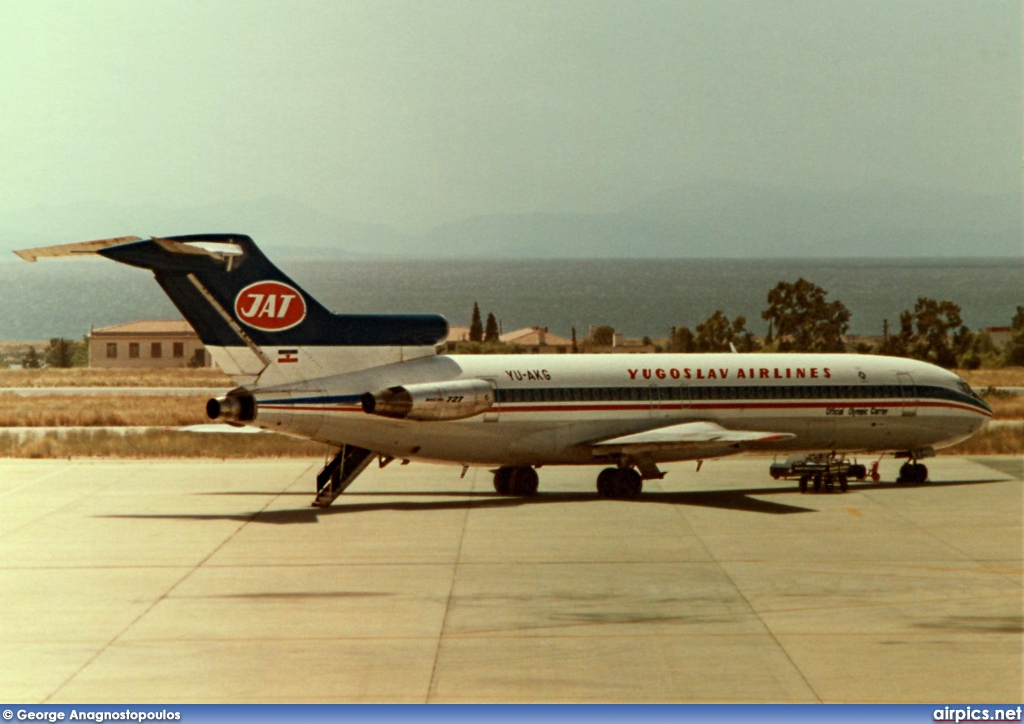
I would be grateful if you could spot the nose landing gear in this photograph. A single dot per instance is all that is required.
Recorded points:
(913, 472)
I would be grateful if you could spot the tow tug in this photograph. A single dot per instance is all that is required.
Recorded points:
(823, 471)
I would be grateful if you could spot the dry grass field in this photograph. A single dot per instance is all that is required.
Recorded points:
(1006, 407)
(155, 444)
(101, 410)
(89, 377)
(995, 377)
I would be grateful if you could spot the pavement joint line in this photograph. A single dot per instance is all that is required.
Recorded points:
(451, 594)
(750, 606)
(69, 502)
(166, 593)
(37, 481)
(927, 531)
(487, 635)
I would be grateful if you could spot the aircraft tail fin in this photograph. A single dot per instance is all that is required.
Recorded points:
(257, 324)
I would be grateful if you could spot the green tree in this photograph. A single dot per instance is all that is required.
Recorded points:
(63, 352)
(31, 359)
(803, 321)
(491, 330)
(682, 340)
(936, 332)
(603, 336)
(476, 327)
(80, 355)
(718, 334)
(1013, 352)
(982, 350)
(898, 344)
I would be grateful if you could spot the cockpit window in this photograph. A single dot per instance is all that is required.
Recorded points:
(966, 388)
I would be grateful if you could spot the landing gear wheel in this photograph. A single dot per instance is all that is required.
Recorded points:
(844, 482)
(503, 480)
(817, 483)
(524, 481)
(619, 483)
(830, 482)
(914, 473)
(630, 483)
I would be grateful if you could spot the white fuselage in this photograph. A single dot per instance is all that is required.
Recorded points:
(550, 409)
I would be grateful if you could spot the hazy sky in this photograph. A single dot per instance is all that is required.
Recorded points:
(414, 114)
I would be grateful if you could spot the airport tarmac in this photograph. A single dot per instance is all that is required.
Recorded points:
(215, 581)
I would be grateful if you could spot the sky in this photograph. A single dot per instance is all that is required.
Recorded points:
(415, 114)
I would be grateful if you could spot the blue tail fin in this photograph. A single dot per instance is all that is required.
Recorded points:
(256, 322)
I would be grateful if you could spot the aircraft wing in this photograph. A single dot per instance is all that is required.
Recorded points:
(689, 439)
(221, 428)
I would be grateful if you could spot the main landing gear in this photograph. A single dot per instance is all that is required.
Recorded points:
(619, 483)
(622, 483)
(520, 480)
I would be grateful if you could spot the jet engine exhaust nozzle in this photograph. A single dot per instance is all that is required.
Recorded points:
(232, 408)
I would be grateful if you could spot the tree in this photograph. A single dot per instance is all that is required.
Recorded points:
(31, 359)
(682, 340)
(575, 346)
(981, 350)
(491, 330)
(803, 321)
(603, 336)
(897, 345)
(934, 332)
(718, 334)
(63, 352)
(1013, 353)
(476, 328)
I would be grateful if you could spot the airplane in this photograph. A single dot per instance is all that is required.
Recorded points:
(377, 386)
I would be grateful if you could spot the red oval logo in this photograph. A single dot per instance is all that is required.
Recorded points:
(270, 306)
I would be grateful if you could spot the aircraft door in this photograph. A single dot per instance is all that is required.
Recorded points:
(908, 394)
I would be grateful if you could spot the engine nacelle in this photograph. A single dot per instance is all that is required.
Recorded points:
(232, 408)
(431, 400)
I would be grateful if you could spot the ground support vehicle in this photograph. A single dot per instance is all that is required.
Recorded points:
(822, 472)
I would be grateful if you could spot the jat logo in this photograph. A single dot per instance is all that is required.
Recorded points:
(270, 306)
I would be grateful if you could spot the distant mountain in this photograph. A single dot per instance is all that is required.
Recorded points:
(712, 219)
(276, 222)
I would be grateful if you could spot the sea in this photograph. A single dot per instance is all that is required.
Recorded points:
(638, 297)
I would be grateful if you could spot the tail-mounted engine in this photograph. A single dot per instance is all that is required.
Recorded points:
(233, 407)
(431, 400)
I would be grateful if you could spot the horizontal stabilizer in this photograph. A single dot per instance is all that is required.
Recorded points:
(698, 435)
(78, 248)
